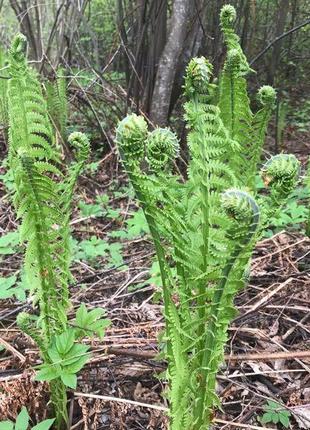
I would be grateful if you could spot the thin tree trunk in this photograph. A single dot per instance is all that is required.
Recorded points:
(168, 63)
(282, 12)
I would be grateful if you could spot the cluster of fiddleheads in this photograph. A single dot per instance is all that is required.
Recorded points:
(206, 226)
(43, 197)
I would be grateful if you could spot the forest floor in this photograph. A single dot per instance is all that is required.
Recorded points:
(267, 356)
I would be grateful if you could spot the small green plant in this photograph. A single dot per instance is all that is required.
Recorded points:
(91, 249)
(42, 198)
(136, 226)
(7, 176)
(23, 423)
(204, 229)
(9, 243)
(276, 414)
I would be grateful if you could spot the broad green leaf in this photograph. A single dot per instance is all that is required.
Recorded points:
(284, 420)
(44, 425)
(47, 373)
(69, 379)
(266, 418)
(9, 242)
(6, 425)
(6, 284)
(65, 341)
(22, 420)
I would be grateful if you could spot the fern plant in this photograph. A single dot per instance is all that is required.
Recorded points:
(43, 197)
(3, 90)
(204, 229)
(57, 103)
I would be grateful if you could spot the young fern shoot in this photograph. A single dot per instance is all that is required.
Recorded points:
(43, 197)
(207, 226)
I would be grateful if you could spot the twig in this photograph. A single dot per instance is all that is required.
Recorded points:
(267, 296)
(292, 30)
(119, 400)
(158, 408)
(10, 348)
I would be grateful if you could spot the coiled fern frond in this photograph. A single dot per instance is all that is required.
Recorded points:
(228, 17)
(162, 148)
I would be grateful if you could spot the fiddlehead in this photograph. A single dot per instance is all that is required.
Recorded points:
(131, 134)
(267, 98)
(280, 175)
(162, 148)
(227, 19)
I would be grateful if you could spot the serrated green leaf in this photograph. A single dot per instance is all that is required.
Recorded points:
(69, 379)
(284, 420)
(6, 284)
(266, 418)
(65, 341)
(47, 373)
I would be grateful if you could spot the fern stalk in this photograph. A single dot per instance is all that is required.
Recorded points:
(43, 203)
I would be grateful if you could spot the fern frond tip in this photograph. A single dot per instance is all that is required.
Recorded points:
(18, 47)
(228, 16)
(131, 133)
(281, 172)
(198, 73)
(162, 147)
(267, 95)
(80, 143)
(242, 208)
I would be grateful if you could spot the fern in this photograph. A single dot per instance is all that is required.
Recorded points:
(43, 197)
(205, 227)
(3, 90)
(57, 103)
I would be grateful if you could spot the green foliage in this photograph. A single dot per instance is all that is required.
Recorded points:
(136, 226)
(6, 285)
(300, 117)
(91, 321)
(57, 103)
(22, 423)
(43, 196)
(66, 358)
(9, 243)
(204, 229)
(90, 249)
(275, 413)
(3, 90)
(7, 177)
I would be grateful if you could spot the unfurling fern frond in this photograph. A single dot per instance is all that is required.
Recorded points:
(280, 175)
(131, 134)
(267, 98)
(161, 149)
(227, 18)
